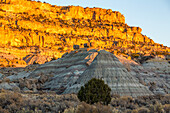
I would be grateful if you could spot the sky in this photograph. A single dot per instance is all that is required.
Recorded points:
(153, 16)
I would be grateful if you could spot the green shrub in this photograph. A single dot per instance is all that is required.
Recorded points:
(95, 91)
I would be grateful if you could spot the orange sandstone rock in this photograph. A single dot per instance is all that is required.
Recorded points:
(40, 29)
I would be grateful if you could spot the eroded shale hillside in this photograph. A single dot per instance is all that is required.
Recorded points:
(35, 32)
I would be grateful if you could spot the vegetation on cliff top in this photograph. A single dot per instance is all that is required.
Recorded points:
(34, 28)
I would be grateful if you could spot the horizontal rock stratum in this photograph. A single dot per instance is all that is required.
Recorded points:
(31, 29)
(77, 68)
(74, 69)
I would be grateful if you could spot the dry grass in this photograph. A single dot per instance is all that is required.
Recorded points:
(97, 108)
(13, 102)
(10, 102)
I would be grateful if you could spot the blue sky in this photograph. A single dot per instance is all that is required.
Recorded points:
(153, 16)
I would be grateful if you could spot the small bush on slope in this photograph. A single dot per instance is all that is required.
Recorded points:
(95, 91)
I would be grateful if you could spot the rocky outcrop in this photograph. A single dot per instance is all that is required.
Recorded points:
(66, 70)
(74, 69)
(78, 67)
(34, 32)
(30, 28)
(36, 59)
(107, 67)
(8, 86)
(153, 73)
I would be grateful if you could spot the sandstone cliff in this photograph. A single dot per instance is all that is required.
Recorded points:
(30, 28)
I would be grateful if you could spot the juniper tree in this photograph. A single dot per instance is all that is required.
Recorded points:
(95, 91)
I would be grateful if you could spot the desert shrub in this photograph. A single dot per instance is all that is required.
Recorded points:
(156, 108)
(103, 108)
(52, 103)
(166, 107)
(16, 89)
(97, 108)
(165, 99)
(69, 110)
(69, 97)
(95, 91)
(124, 103)
(10, 102)
(3, 110)
(85, 108)
(143, 110)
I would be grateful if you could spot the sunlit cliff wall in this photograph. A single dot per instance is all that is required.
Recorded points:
(31, 27)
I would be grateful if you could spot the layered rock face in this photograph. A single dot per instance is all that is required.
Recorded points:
(75, 69)
(106, 66)
(153, 73)
(30, 28)
(65, 71)
(157, 75)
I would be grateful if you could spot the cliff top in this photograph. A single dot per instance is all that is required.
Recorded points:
(32, 29)
(77, 12)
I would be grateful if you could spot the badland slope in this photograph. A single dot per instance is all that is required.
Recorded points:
(67, 74)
